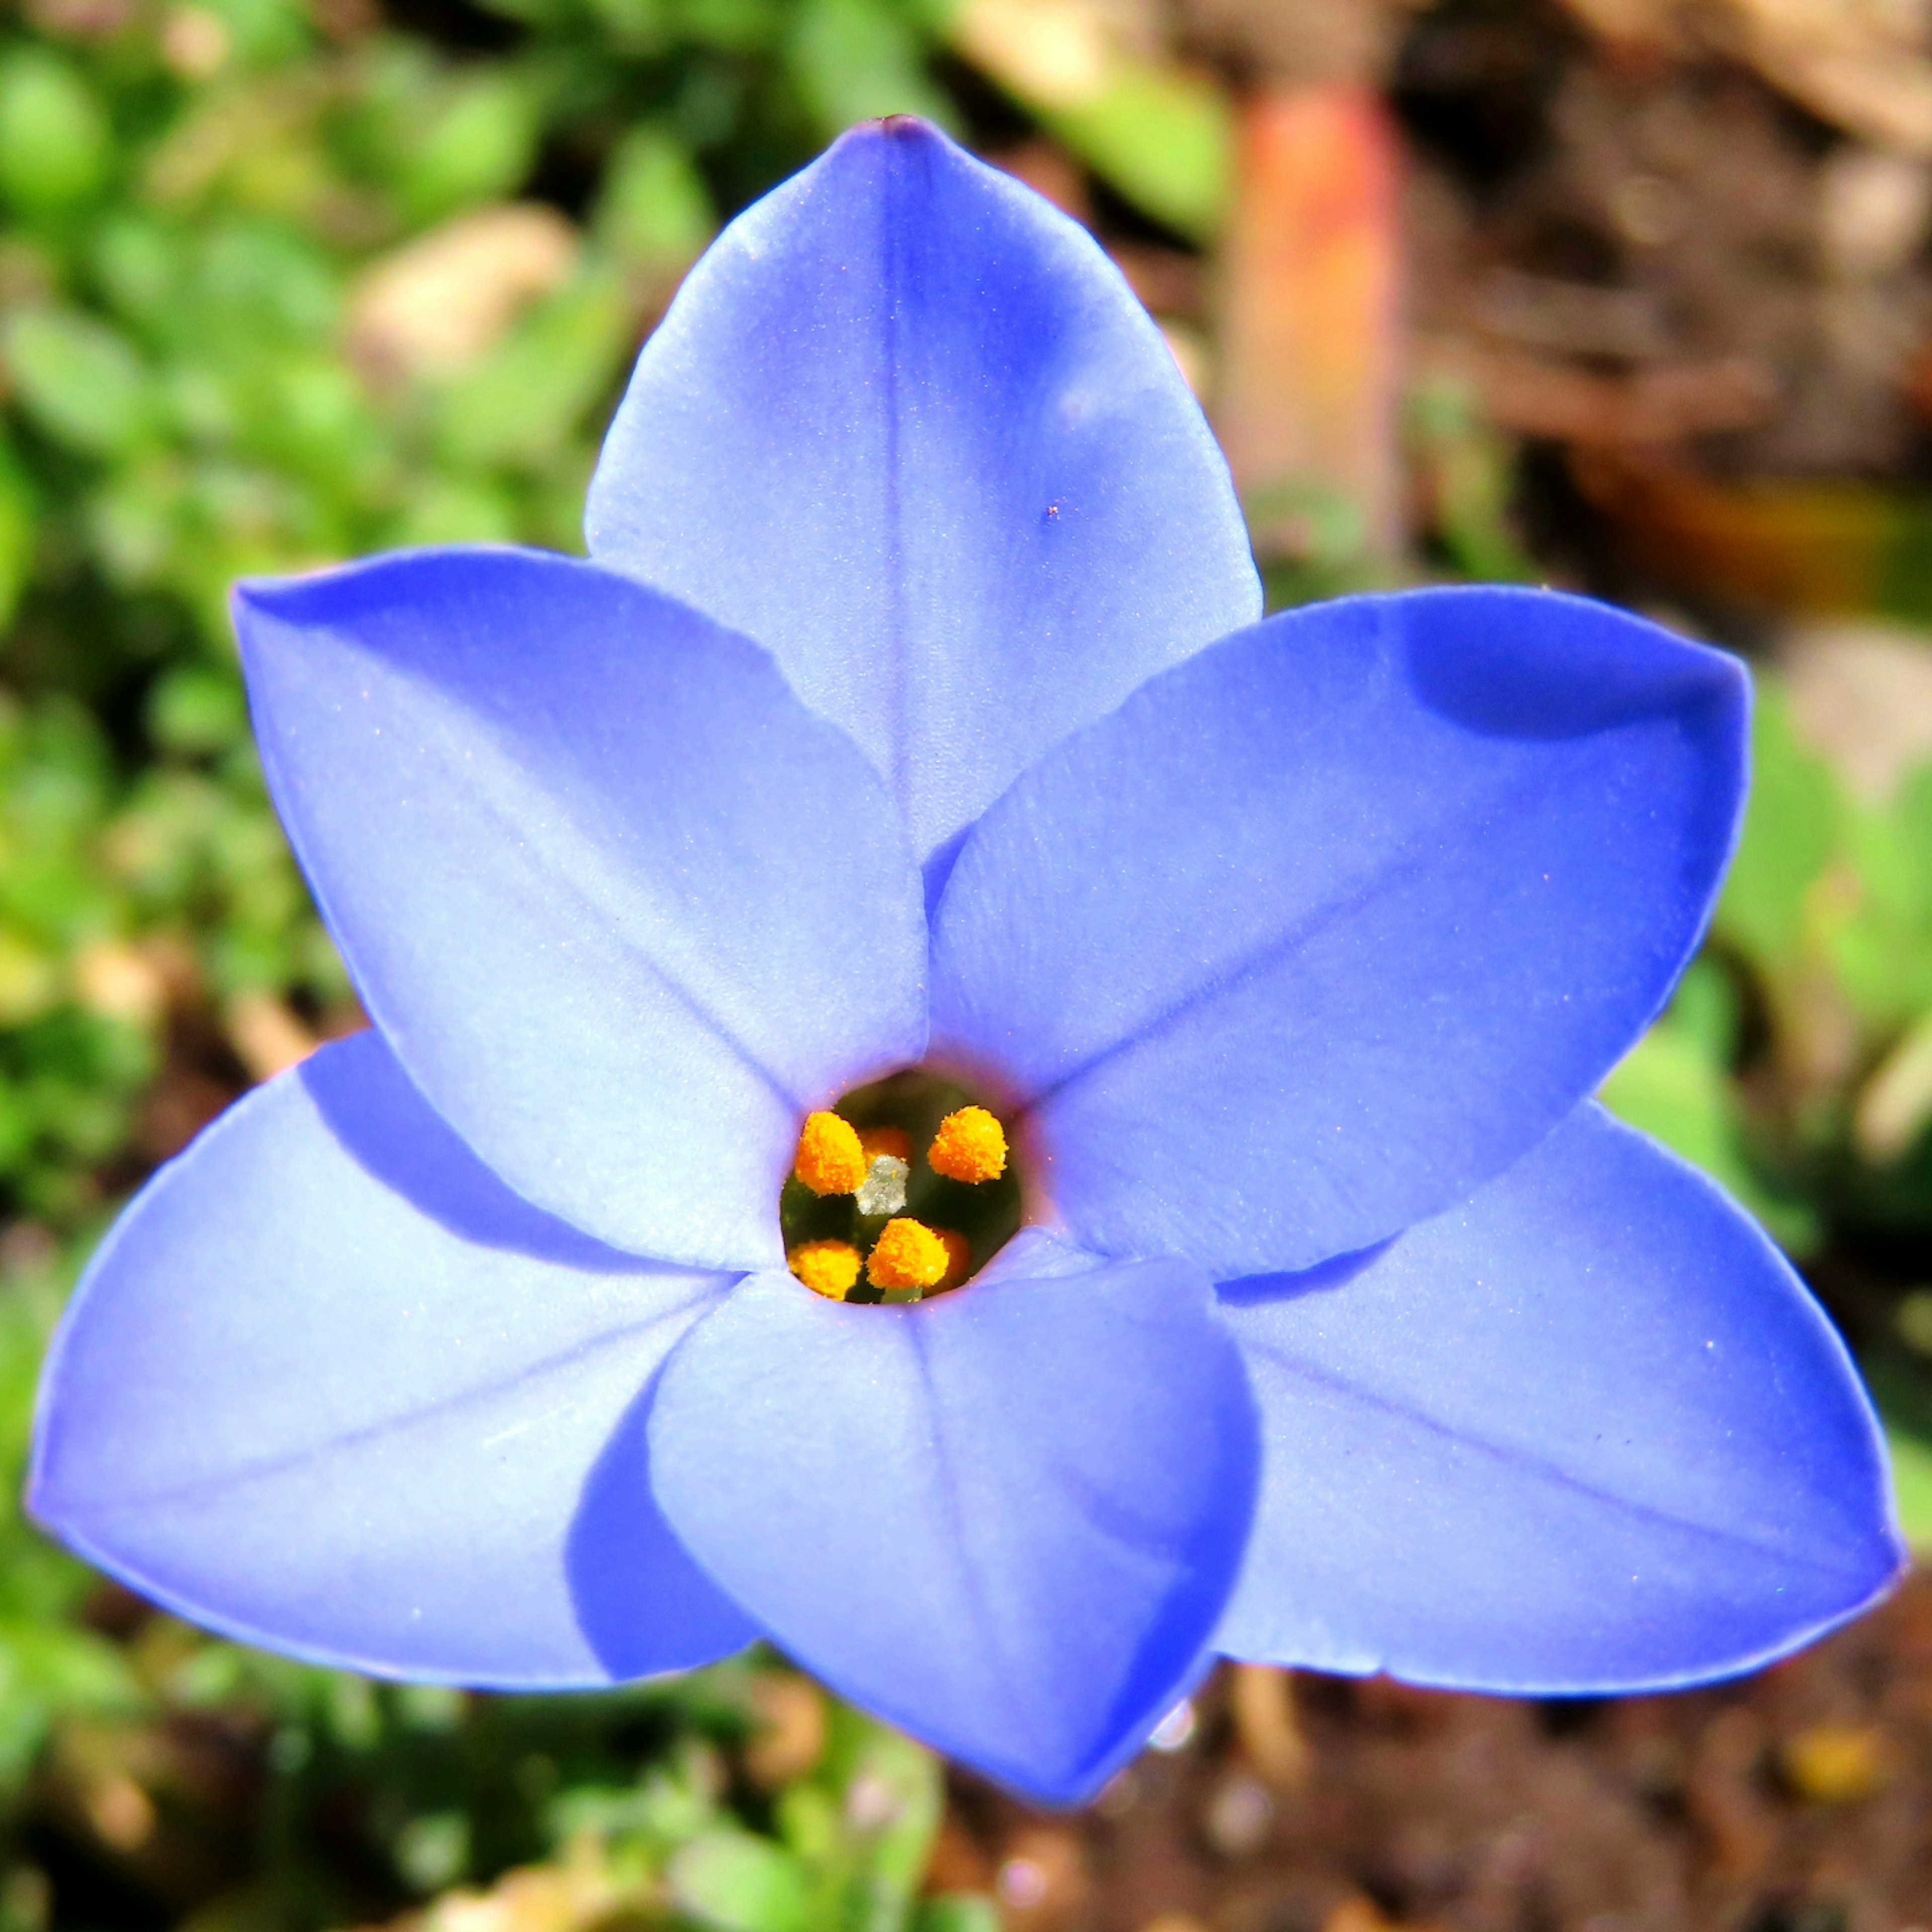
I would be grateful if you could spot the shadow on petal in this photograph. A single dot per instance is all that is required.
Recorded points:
(329, 1386)
(627, 1571)
(394, 1135)
(1325, 1277)
(1537, 665)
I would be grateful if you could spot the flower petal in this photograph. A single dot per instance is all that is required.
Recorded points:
(625, 909)
(1324, 928)
(1588, 1433)
(330, 1386)
(907, 426)
(1006, 1519)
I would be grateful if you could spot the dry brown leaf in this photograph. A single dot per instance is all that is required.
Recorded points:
(437, 306)
(267, 1037)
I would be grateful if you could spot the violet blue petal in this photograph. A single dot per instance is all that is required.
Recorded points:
(331, 1387)
(624, 908)
(1006, 1519)
(1326, 927)
(907, 426)
(1588, 1433)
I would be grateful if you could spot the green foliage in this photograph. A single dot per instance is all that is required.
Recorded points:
(854, 59)
(655, 212)
(80, 381)
(56, 146)
(1794, 827)
(1163, 138)
(1676, 1086)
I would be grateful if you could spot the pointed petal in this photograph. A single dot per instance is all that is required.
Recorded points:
(330, 1386)
(625, 909)
(1005, 1520)
(906, 425)
(1588, 1433)
(1323, 929)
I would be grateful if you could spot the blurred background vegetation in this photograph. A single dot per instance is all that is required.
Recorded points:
(1632, 295)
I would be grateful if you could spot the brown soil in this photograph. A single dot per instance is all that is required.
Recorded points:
(1797, 1801)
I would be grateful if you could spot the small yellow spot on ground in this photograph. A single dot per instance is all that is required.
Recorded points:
(829, 1268)
(830, 1160)
(907, 1254)
(971, 1145)
(1835, 1764)
(791, 1736)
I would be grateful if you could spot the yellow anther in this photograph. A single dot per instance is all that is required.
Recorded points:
(893, 1141)
(971, 1145)
(958, 1257)
(829, 1268)
(830, 1158)
(907, 1254)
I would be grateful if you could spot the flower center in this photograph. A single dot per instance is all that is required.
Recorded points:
(901, 1190)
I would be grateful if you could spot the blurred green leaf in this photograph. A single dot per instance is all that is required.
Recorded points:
(1164, 138)
(859, 60)
(433, 1850)
(893, 1797)
(479, 146)
(56, 146)
(196, 709)
(1793, 824)
(1904, 1399)
(263, 32)
(79, 379)
(1161, 134)
(1912, 1486)
(1880, 943)
(1469, 470)
(525, 402)
(445, 510)
(735, 1882)
(957, 1912)
(17, 522)
(655, 211)
(1674, 1085)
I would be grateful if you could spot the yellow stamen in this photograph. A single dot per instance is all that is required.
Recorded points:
(830, 1158)
(959, 1258)
(971, 1146)
(893, 1141)
(907, 1254)
(829, 1268)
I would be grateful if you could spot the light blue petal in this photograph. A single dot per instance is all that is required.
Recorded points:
(625, 909)
(1324, 928)
(330, 1386)
(906, 425)
(1005, 1520)
(1588, 1433)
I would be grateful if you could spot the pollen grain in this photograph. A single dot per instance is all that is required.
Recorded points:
(829, 1268)
(971, 1146)
(830, 1158)
(907, 1254)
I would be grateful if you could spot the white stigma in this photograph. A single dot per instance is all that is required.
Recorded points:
(884, 1191)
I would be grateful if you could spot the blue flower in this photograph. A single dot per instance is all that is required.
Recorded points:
(1344, 1330)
